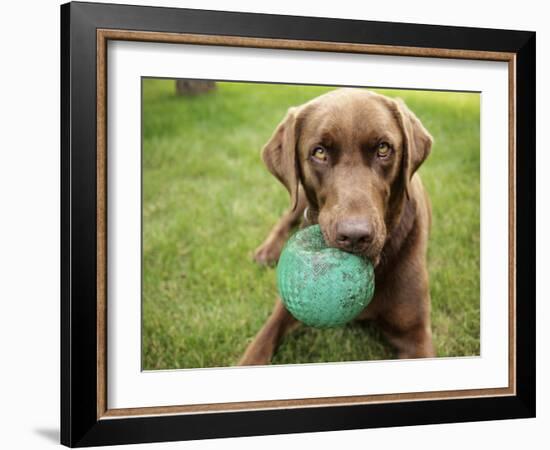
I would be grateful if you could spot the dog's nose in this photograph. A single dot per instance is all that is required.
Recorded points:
(354, 234)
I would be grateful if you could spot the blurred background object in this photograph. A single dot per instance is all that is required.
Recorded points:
(189, 87)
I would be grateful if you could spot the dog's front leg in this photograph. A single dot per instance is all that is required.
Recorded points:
(261, 349)
(415, 342)
(405, 309)
(268, 253)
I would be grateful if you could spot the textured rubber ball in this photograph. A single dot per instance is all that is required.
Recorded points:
(322, 286)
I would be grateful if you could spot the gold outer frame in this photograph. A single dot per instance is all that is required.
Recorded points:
(103, 36)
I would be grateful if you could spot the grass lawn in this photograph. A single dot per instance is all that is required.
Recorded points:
(208, 201)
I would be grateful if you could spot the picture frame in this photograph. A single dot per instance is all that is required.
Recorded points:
(86, 29)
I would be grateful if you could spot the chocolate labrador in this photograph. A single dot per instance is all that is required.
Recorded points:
(348, 159)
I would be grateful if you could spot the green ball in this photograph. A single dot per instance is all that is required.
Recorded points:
(322, 286)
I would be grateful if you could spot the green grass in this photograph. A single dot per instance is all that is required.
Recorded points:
(208, 202)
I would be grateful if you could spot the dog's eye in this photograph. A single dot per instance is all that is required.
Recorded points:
(383, 150)
(319, 154)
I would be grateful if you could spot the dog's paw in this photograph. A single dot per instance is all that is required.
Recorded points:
(268, 253)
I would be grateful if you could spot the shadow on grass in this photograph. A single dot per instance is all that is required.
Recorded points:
(309, 345)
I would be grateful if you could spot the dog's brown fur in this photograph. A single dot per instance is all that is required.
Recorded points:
(357, 183)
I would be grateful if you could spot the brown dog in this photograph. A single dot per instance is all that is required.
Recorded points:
(348, 159)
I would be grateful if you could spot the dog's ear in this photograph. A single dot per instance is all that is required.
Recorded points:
(417, 142)
(280, 155)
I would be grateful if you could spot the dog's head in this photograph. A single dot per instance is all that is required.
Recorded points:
(354, 152)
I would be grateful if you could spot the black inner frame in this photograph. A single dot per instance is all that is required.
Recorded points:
(79, 424)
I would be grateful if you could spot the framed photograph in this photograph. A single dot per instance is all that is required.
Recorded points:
(276, 224)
